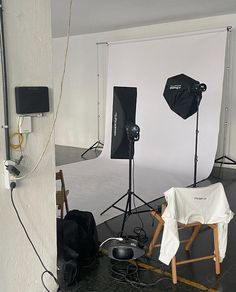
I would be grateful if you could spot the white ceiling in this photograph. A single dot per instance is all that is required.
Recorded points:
(90, 16)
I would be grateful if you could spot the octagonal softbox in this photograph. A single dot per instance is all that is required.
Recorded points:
(183, 94)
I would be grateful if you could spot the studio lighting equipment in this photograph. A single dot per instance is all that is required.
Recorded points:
(123, 116)
(183, 95)
(132, 131)
(124, 133)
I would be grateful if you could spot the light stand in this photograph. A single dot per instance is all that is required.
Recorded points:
(199, 88)
(133, 135)
(183, 94)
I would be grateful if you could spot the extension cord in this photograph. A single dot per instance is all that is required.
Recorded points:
(8, 178)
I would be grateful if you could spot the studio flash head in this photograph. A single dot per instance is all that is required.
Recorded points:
(199, 87)
(132, 131)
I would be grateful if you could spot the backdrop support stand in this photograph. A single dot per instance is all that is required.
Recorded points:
(130, 195)
(98, 144)
(222, 159)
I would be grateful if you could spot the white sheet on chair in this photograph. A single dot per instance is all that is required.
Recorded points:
(164, 155)
(207, 205)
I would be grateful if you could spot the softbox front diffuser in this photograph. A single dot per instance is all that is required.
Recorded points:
(182, 95)
(124, 110)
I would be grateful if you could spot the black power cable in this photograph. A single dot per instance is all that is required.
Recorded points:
(46, 271)
(129, 274)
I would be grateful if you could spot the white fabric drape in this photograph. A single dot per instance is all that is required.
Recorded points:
(207, 205)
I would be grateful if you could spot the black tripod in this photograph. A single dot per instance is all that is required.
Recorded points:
(130, 193)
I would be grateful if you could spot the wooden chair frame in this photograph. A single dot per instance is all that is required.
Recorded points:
(188, 243)
(61, 195)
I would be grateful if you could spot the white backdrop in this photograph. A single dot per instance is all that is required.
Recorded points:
(167, 141)
(164, 155)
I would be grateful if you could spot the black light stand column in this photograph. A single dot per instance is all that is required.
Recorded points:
(133, 135)
(128, 208)
(4, 85)
(196, 146)
(199, 88)
(183, 94)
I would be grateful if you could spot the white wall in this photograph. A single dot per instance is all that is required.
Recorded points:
(77, 120)
(29, 60)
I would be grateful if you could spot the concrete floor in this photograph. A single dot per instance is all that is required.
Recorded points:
(99, 277)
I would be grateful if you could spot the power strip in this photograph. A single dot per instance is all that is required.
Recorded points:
(7, 176)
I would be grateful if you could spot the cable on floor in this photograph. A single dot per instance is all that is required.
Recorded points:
(130, 274)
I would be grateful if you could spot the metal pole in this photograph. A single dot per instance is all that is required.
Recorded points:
(98, 94)
(196, 147)
(227, 110)
(227, 95)
(4, 85)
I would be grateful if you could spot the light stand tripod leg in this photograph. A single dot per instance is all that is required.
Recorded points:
(126, 213)
(98, 143)
(223, 160)
(145, 203)
(113, 205)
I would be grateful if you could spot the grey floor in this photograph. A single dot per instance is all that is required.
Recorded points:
(99, 277)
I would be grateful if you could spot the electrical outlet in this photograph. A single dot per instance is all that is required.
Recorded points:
(7, 176)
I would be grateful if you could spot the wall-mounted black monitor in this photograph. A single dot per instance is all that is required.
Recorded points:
(31, 100)
(124, 110)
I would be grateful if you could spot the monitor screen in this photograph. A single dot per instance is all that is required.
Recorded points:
(31, 100)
